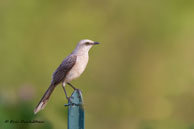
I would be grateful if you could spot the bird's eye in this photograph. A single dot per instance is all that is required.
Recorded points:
(87, 43)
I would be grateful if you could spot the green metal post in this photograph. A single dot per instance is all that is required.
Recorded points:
(75, 111)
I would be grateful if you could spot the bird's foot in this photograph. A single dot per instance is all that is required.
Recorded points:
(70, 103)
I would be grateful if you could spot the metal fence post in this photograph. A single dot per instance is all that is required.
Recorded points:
(75, 111)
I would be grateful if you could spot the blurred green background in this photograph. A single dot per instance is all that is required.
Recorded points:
(141, 76)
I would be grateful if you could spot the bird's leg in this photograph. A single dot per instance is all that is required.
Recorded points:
(72, 86)
(65, 92)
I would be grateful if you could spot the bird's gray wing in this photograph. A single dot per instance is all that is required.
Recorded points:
(61, 72)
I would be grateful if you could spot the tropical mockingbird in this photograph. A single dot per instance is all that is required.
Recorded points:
(70, 68)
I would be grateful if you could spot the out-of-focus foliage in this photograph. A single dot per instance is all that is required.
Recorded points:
(141, 76)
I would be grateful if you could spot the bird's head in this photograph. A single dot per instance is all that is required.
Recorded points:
(85, 45)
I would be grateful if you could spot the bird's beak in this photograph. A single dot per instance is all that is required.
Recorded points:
(95, 43)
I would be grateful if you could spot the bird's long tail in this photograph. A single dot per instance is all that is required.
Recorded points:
(44, 99)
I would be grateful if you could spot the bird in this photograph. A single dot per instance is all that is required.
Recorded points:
(70, 68)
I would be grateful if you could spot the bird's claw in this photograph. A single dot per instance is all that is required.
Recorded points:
(72, 104)
(69, 101)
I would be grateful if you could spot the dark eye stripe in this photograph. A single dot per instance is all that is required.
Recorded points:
(87, 43)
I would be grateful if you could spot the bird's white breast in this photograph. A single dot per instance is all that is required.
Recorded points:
(78, 68)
